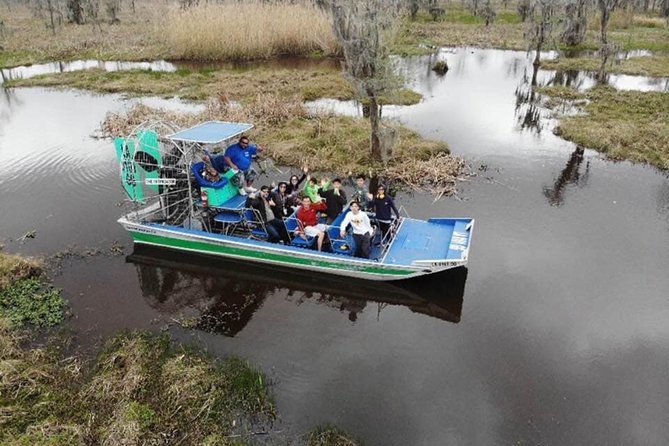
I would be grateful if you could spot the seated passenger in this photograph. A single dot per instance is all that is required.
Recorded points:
(281, 200)
(335, 199)
(362, 230)
(240, 157)
(276, 229)
(209, 172)
(311, 189)
(307, 214)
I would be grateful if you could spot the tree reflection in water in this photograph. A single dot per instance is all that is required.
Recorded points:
(224, 298)
(528, 111)
(571, 174)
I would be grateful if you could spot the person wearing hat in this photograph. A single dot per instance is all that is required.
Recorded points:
(362, 230)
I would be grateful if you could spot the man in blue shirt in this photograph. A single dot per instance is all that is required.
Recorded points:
(239, 157)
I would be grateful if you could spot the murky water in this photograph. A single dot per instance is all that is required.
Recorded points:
(556, 335)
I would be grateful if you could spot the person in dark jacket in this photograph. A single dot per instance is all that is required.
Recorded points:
(276, 229)
(382, 205)
(281, 201)
(335, 199)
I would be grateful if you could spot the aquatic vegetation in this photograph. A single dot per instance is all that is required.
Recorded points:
(621, 124)
(141, 389)
(330, 435)
(32, 301)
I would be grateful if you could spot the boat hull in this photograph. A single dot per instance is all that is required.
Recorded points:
(272, 254)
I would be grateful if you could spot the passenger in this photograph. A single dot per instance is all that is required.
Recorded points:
(281, 200)
(209, 172)
(335, 199)
(293, 187)
(239, 157)
(308, 216)
(311, 189)
(360, 190)
(276, 229)
(382, 205)
(362, 230)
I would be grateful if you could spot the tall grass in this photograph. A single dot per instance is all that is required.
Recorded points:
(246, 31)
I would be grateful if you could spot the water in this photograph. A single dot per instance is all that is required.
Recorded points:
(557, 334)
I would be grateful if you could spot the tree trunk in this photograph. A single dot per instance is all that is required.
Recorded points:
(604, 24)
(53, 26)
(374, 123)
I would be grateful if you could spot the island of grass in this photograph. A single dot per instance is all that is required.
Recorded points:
(621, 124)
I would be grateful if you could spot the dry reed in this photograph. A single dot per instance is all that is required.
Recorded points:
(325, 142)
(245, 31)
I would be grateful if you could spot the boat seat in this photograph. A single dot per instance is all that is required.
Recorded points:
(341, 246)
(229, 219)
(295, 227)
(254, 222)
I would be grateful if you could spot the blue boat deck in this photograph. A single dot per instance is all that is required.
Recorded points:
(428, 240)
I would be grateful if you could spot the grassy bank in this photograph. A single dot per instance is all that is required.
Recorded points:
(459, 27)
(621, 124)
(140, 390)
(326, 142)
(157, 30)
(656, 66)
(232, 84)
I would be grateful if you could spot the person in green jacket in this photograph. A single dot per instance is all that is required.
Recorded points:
(311, 189)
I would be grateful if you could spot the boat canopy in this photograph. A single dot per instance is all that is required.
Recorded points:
(211, 132)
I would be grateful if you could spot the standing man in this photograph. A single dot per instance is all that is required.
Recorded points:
(382, 205)
(239, 157)
(335, 199)
(362, 230)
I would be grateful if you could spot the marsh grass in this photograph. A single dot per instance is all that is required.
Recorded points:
(28, 40)
(239, 85)
(157, 30)
(460, 28)
(141, 389)
(621, 124)
(325, 142)
(249, 30)
(14, 268)
(330, 435)
(647, 66)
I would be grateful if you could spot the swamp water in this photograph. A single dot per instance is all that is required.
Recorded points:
(557, 334)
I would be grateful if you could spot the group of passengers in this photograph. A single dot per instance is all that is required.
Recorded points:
(275, 205)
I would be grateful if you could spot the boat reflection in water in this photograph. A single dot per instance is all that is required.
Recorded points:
(221, 295)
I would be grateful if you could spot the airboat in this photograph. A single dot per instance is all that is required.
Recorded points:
(171, 205)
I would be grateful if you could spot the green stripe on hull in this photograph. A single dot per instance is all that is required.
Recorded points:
(200, 246)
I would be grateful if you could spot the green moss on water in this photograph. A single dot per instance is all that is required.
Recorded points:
(31, 301)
